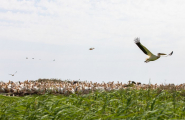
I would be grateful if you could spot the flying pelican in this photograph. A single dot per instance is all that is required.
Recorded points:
(91, 48)
(151, 57)
(13, 74)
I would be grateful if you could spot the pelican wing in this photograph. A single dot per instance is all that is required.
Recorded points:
(143, 48)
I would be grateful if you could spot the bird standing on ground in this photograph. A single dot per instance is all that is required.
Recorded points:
(13, 74)
(151, 57)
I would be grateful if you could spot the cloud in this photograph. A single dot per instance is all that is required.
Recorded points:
(95, 23)
(84, 22)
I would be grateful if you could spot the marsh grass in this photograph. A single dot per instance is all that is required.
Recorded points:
(123, 104)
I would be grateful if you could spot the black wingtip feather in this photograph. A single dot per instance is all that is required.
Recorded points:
(137, 41)
(171, 53)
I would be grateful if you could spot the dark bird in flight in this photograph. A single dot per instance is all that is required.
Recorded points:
(91, 48)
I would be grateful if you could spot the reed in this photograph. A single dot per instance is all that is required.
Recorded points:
(116, 104)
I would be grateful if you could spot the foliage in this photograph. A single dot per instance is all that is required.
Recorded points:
(122, 104)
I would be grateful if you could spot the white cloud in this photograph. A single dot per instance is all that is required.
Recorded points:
(91, 22)
(83, 21)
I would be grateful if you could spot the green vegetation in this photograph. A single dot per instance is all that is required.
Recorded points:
(53, 80)
(122, 104)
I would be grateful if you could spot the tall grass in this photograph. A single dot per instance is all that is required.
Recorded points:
(123, 104)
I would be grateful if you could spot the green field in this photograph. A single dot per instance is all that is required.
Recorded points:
(122, 104)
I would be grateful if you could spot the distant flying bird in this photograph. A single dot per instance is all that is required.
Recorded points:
(26, 57)
(151, 57)
(54, 60)
(13, 74)
(91, 48)
(32, 58)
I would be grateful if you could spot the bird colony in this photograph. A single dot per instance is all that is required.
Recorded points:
(73, 87)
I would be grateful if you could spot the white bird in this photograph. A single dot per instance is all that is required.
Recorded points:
(151, 57)
(13, 74)
(2, 90)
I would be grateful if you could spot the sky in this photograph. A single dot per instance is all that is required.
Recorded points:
(64, 30)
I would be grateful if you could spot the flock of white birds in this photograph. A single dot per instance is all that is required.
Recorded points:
(60, 87)
(74, 87)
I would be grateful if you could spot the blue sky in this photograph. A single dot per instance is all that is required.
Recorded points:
(65, 30)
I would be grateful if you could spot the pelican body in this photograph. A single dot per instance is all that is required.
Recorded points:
(151, 57)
